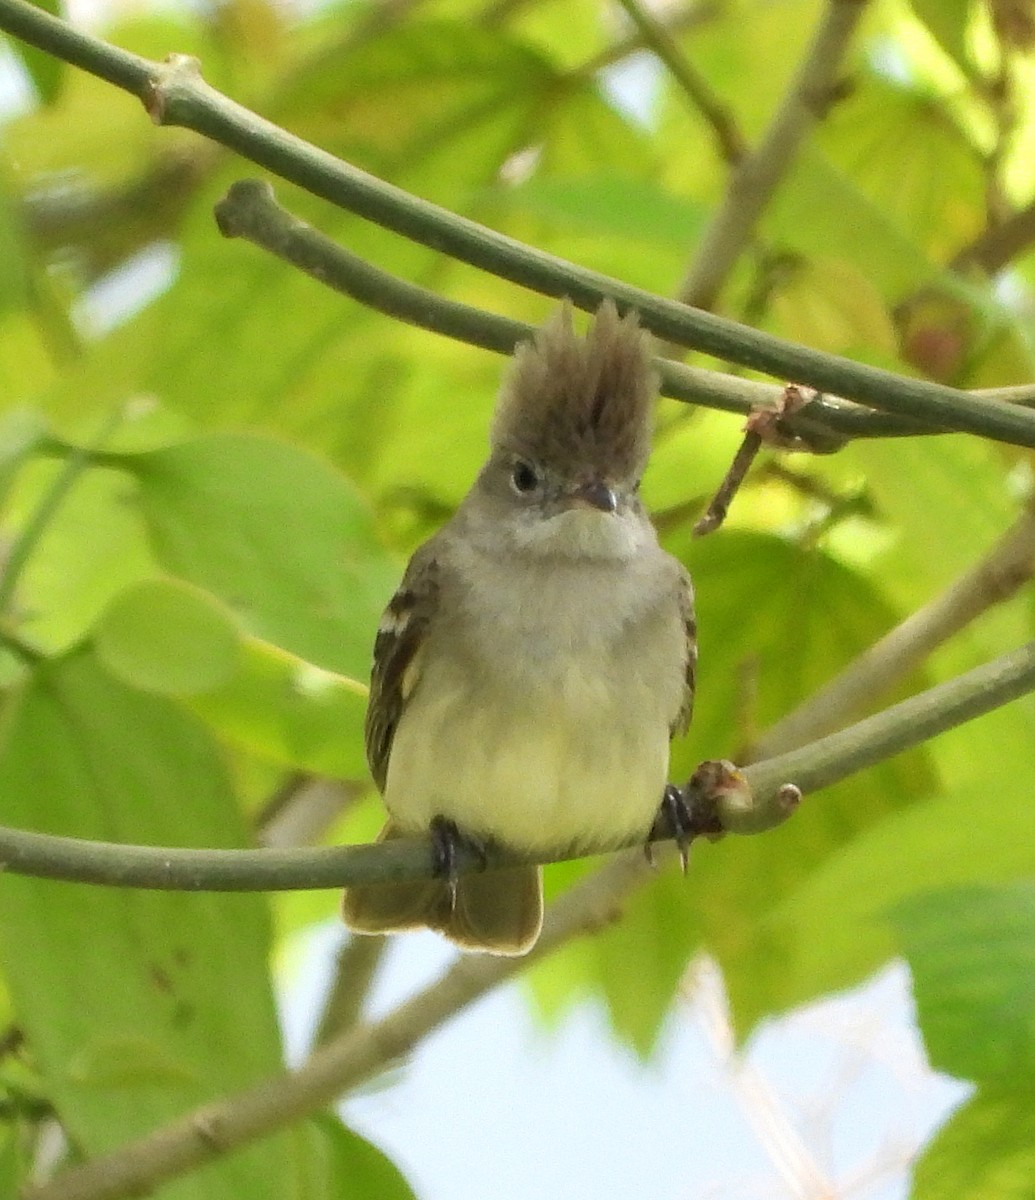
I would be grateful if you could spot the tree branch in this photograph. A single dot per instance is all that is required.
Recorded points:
(997, 247)
(175, 94)
(672, 21)
(913, 721)
(249, 210)
(757, 807)
(355, 966)
(758, 174)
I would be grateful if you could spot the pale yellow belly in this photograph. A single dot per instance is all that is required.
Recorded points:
(573, 765)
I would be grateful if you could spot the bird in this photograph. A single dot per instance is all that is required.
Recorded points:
(540, 651)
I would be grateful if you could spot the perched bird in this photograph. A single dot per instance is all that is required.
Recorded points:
(539, 652)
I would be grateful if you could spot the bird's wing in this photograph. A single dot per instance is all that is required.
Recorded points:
(686, 609)
(397, 656)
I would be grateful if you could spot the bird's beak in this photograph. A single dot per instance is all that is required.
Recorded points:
(597, 495)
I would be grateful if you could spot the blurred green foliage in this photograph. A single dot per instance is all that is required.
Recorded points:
(191, 627)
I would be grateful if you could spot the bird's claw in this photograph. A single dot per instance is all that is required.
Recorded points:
(448, 843)
(674, 820)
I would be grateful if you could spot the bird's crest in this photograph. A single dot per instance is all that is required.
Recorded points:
(581, 400)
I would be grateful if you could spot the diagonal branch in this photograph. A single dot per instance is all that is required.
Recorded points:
(993, 580)
(997, 247)
(757, 175)
(674, 21)
(175, 94)
(728, 138)
(355, 966)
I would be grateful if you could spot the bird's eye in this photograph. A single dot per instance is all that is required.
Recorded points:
(524, 477)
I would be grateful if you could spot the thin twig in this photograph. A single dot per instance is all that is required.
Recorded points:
(355, 966)
(998, 246)
(768, 426)
(175, 94)
(776, 1133)
(757, 175)
(303, 810)
(703, 101)
(677, 21)
(714, 515)
(78, 460)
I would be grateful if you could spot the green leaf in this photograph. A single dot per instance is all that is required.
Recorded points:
(276, 534)
(16, 277)
(173, 639)
(288, 711)
(569, 33)
(833, 930)
(832, 305)
(585, 136)
(165, 636)
(21, 432)
(145, 1032)
(955, 495)
(986, 1151)
(351, 1167)
(11, 1162)
(92, 548)
(972, 954)
(426, 86)
(818, 201)
(614, 206)
(905, 151)
(47, 71)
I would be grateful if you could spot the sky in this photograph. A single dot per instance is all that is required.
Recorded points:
(838, 1093)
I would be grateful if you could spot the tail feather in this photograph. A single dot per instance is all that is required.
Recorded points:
(498, 911)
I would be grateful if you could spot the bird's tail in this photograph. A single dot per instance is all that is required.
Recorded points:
(498, 911)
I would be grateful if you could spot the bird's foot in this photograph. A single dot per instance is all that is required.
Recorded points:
(691, 811)
(449, 844)
(674, 820)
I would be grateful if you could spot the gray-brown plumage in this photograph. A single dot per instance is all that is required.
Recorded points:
(582, 403)
(540, 650)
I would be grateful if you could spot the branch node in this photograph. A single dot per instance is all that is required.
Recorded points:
(735, 806)
(714, 786)
(206, 1129)
(176, 70)
(819, 101)
(241, 201)
(766, 425)
(787, 799)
